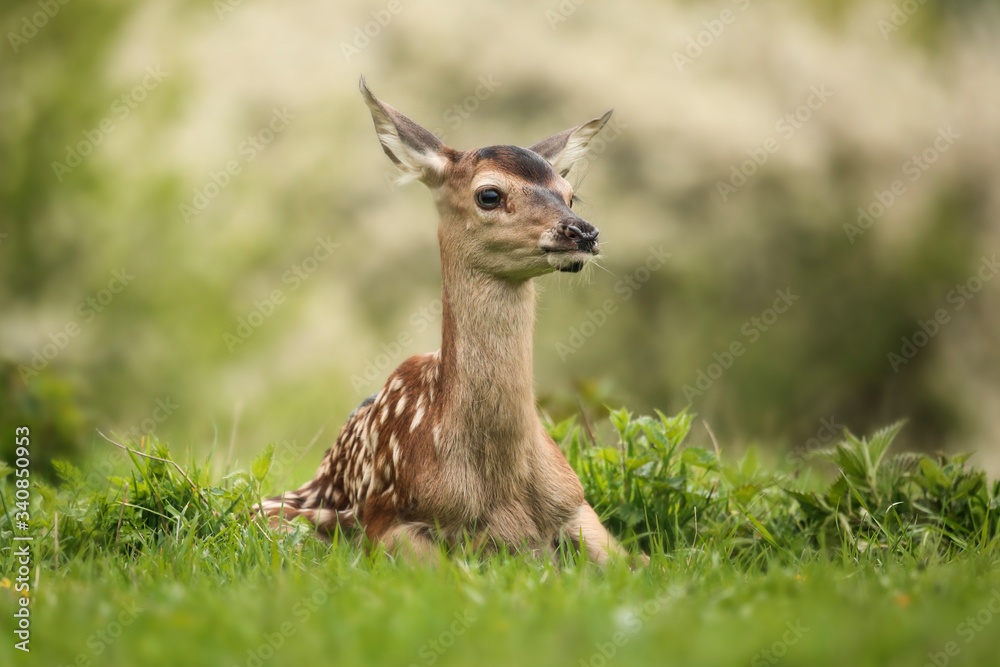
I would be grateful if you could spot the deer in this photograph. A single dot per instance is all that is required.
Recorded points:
(452, 446)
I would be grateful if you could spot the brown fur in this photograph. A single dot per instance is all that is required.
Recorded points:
(452, 446)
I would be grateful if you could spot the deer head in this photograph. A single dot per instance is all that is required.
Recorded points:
(506, 211)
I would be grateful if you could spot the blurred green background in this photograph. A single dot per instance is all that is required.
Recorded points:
(200, 237)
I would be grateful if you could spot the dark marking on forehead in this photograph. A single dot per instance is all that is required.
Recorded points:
(542, 196)
(517, 161)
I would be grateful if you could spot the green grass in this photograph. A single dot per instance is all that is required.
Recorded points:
(879, 560)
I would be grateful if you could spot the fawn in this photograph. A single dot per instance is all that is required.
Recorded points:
(452, 447)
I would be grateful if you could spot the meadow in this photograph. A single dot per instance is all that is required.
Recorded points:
(848, 553)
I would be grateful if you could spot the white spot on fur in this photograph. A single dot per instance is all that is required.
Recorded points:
(417, 417)
(394, 448)
(400, 405)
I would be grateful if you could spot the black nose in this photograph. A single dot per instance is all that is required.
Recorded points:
(580, 232)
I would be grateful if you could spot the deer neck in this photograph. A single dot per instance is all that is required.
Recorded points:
(486, 358)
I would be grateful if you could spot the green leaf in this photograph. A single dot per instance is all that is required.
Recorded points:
(630, 514)
(632, 463)
(835, 495)
(880, 441)
(561, 431)
(933, 472)
(969, 486)
(67, 472)
(759, 527)
(851, 456)
(620, 420)
(655, 435)
(676, 428)
(698, 457)
(810, 502)
(671, 483)
(262, 463)
(646, 470)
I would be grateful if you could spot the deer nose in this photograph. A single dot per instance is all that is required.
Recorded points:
(580, 232)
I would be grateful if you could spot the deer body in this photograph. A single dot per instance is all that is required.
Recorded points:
(452, 446)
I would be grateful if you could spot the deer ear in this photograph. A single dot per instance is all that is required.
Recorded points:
(564, 149)
(418, 153)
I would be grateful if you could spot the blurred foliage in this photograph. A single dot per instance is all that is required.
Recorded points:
(49, 408)
(651, 488)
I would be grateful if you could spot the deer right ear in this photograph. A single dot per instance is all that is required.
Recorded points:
(418, 153)
(564, 149)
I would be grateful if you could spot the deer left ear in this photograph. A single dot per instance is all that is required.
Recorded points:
(564, 149)
(417, 152)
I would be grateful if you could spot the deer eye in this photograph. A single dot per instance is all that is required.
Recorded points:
(488, 198)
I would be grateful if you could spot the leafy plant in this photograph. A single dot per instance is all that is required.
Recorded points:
(653, 490)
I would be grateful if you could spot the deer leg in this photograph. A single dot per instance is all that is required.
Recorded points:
(282, 509)
(411, 541)
(586, 532)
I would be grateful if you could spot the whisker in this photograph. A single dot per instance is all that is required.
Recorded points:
(598, 264)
